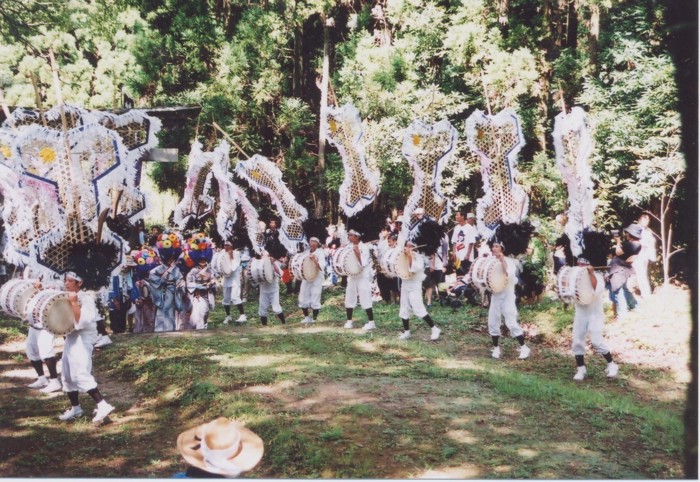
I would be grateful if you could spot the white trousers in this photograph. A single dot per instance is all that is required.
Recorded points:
(76, 364)
(232, 294)
(358, 286)
(588, 324)
(39, 345)
(503, 305)
(310, 293)
(269, 299)
(411, 302)
(641, 270)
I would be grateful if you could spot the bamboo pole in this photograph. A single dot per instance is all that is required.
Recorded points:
(228, 138)
(37, 96)
(6, 110)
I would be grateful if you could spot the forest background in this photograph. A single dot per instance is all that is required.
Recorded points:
(257, 70)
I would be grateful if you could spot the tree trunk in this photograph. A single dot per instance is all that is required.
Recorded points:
(324, 99)
(298, 62)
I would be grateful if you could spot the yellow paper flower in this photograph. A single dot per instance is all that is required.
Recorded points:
(416, 139)
(5, 151)
(200, 235)
(255, 174)
(332, 125)
(167, 243)
(47, 155)
(172, 237)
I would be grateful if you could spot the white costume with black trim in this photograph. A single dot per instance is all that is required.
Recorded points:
(412, 290)
(590, 320)
(503, 304)
(310, 291)
(76, 362)
(360, 285)
(270, 293)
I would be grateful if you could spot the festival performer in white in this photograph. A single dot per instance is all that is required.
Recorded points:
(589, 320)
(360, 286)
(76, 363)
(40, 347)
(310, 291)
(270, 294)
(231, 284)
(412, 295)
(503, 306)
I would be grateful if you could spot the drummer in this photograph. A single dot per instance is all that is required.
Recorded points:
(589, 320)
(412, 294)
(77, 352)
(310, 292)
(503, 305)
(40, 346)
(270, 293)
(231, 285)
(360, 285)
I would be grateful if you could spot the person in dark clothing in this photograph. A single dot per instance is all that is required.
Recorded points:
(621, 269)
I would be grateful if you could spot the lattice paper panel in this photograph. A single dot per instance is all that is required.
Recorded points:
(75, 117)
(497, 141)
(344, 131)
(573, 145)
(428, 149)
(196, 202)
(231, 195)
(265, 176)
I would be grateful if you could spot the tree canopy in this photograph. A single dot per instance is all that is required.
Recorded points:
(255, 67)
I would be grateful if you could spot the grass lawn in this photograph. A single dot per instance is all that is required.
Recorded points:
(336, 403)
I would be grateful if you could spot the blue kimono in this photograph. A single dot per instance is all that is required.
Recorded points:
(168, 295)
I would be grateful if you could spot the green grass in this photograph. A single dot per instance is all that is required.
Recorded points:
(333, 403)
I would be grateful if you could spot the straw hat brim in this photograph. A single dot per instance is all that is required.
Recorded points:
(252, 449)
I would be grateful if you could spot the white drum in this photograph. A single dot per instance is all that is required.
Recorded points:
(303, 268)
(228, 264)
(260, 270)
(574, 285)
(345, 263)
(394, 264)
(487, 273)
(14, 296)
(51, 310)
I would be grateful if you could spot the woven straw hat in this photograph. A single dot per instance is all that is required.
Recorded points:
(222, 446)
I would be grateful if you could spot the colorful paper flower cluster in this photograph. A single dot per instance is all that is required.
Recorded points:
(198, 247)
(169, 244)
(145, 260)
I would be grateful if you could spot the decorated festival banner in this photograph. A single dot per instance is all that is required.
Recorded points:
(344, 131)
(428, 149)
(497, 141)
(573, 146)
(196, 203)
(264, 176)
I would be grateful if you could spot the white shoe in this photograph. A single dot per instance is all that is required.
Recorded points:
(369, 326)
(103, 409)
(54, 385)
(580, 373)
(306, 320)
(612, 369)
(524, 352)
(435, 333)
(496, 352)
(348, 324)
(71, 413)
(40, 382)
(227, 320)
(102, 340)
(405, 335)
(242, 319)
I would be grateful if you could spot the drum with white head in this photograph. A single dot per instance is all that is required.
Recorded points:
(345, 262)
(488, 273)
(574, 285)
(303, 268)
(394, 263)
(15, 294)
(260, 270)
(52, 311)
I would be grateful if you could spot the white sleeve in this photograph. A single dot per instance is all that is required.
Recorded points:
(88, 310)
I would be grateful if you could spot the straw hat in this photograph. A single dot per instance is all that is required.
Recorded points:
(222, 446)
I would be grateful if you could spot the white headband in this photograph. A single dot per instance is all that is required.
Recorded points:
(72, 274)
